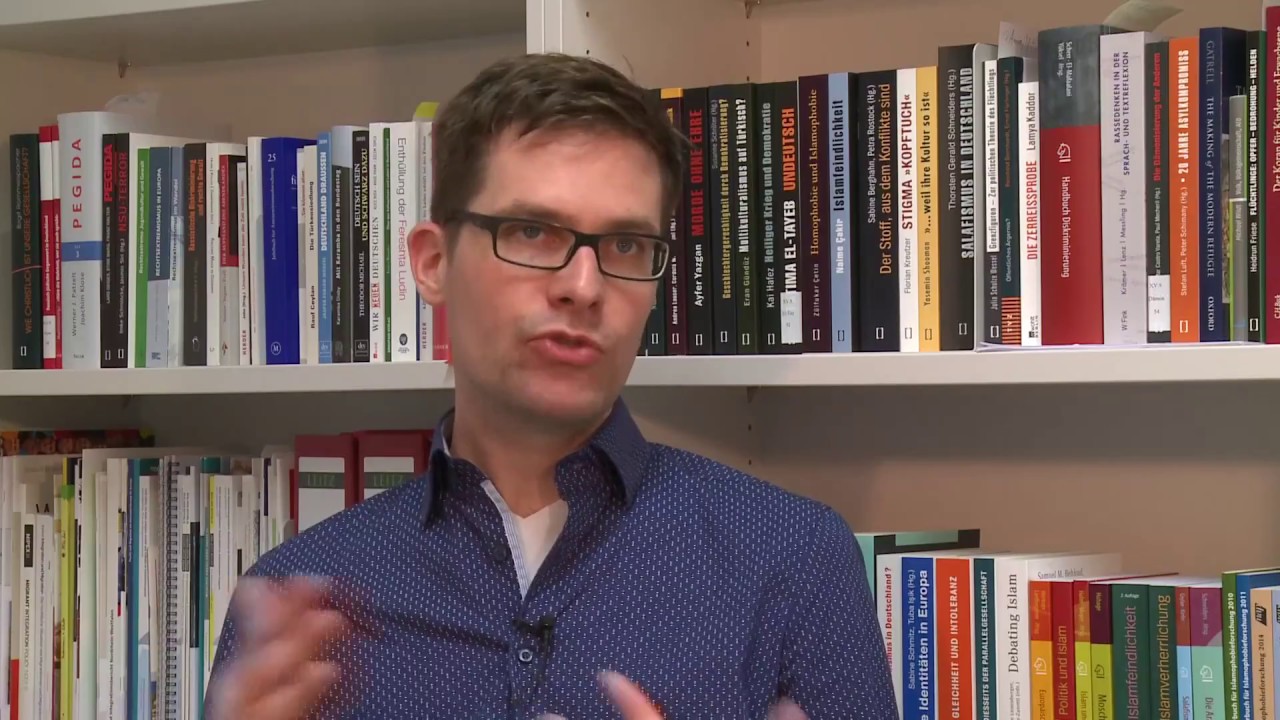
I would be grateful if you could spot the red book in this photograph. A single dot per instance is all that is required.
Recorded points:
(326, 467)
(50, 247)
(1064, 650)
(387, 459)
(1071, 185)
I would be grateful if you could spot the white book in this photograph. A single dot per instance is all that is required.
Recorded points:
(255, 245)
(908, 212)
(244, 309)
(402, 161)
(174, 317)
(80, 183)
(1029, 177)
(308, 257)
(426, 318)
(222, 281)
(982, 53)
(1122, 63)
(377, 244)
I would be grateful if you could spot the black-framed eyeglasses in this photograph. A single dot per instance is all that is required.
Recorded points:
(548, 246)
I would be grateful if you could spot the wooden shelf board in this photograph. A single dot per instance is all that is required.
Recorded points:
(1084, 366)
(220, 30)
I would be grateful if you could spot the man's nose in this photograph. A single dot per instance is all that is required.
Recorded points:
(580, 282)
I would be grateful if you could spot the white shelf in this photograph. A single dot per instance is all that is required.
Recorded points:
(186, 31)
(1050, 366)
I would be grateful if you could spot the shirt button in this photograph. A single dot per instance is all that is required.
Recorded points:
(525, 655)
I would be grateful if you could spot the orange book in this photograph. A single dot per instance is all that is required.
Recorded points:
(1041, 594)
(953, 622)
(1184, 189)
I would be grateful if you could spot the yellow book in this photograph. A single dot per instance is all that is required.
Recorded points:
(1080, 616)
(1041, 650)
(927, 188)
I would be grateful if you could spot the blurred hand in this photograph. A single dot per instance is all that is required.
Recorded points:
(635, 705)
(279, 671)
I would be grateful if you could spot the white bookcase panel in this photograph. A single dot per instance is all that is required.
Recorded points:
(1179, 476)
(151, 32)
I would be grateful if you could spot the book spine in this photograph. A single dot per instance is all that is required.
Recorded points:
(815, 212)
(1208, 653)
(402, 150)
(256, 248)
(655, 329)
(175, 304)
(1157, 110)
(908, 210)
(244, 311)
(1009, 264)
(1256, 61)
(1100, 651)
(1124, 201)
(916, 661)
(791, 292)
(1236, 233)
(1271, 204)
(281, 333)
(1182, 642)
(340, 245)
(723, 305)
(324, 247)
(1071, 230)
(769, 129)
(115, 336)
(878, 305)
(1039, 594)
(953, 609)
(1064, 651)
(842, 241)
(991, 255)
(228, 262)
(1163, 652)
(80, 181)
(1184, 253)
(955, 195)
(50, 249)
(1029, 211)
(675, 281)
(195, 259)
(700, 330)
(1132, 651)
(927, 189)
(156, 342)
(1083, 666)
(360, 331)
(110, 274)
(986, 707)
(214, 256)
(24, 187)
(377, 243)
(1221, 76)
(743, 159)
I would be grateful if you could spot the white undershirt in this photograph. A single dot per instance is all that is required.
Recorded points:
(530, 538)
(538, 533)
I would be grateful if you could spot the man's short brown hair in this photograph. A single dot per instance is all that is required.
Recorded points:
(535, 91)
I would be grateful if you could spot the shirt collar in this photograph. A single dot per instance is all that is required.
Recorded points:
(619, 440)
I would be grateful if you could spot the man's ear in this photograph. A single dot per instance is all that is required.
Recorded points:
(428, 257)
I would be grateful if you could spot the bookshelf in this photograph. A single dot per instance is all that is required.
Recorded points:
(1026, 444)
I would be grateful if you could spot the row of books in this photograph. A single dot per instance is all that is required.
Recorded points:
(973, 634)
(118, 559)
(133, 249)
(1067, 186)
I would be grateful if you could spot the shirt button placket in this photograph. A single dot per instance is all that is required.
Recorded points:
(524, 676)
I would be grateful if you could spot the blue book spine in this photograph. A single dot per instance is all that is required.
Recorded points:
(1245, 583)
(280, 251)
(324, 225)
(916, 660)
(1222, 74)
(1186, 700)
(839, 131)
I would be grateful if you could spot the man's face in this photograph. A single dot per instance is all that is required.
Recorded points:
(555, 346)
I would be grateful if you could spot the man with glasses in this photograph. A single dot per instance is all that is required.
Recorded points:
(552, 562)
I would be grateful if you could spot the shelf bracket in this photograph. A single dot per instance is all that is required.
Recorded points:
(750, 6)
(122, 66)
(751, 393)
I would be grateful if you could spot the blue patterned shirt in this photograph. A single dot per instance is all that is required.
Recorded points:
(714, 591)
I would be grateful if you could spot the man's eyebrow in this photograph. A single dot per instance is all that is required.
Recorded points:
(534, 211)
